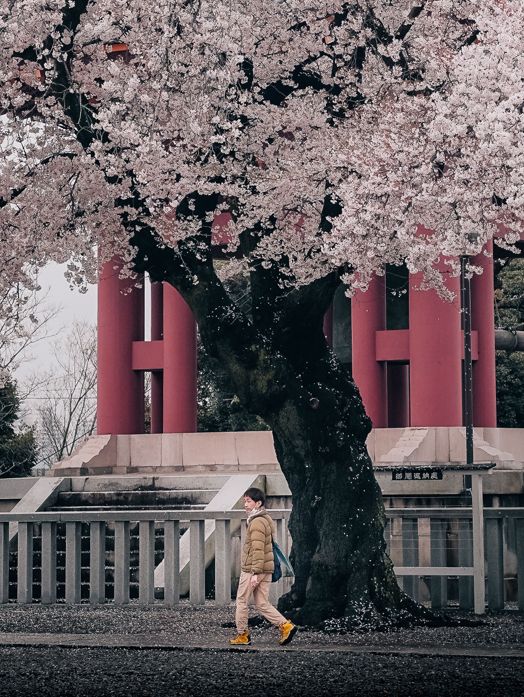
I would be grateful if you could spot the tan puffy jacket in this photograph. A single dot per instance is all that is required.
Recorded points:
(257, 553)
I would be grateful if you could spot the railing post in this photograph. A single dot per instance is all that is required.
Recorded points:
(282, 541)
(495, 560)
(25, 563)
(519, 549)
(479, 588)
(395, 544)
(171, 562)
(410, 555)
(97, 560)
(222, 562)
(243, 532)
(48, 594)
(146, 562)
(4, 563)
(121, 572)
(438, 584)
(387, 536)
(73, 589)
(465, 558)
(197, 562)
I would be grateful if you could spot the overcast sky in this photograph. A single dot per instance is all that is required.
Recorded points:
(71, 304)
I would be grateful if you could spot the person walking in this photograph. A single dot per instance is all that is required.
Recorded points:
(256, 569)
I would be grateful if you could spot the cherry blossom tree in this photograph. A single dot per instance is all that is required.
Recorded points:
(332, 138)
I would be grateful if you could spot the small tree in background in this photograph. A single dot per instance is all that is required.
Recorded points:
(25, 317)
(219, 408)
(67, 409)
(509, 296)
(17, 443)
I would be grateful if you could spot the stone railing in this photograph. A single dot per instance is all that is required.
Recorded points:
(430, 547)
(111, 555)
(124, 547)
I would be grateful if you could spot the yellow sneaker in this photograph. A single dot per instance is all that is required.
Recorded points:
(241, 639)
(287, 632)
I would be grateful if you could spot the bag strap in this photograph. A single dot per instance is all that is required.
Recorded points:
(269, 521)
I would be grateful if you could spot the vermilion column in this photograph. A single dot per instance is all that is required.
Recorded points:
(120, 402)
(156, 375)
(435, 350)
(368, 315)
(483, 320)
(180, 366)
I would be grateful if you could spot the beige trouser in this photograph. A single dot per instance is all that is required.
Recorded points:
(260, 596)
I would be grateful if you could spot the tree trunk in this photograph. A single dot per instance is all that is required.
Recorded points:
(281, 369)
(344, 577)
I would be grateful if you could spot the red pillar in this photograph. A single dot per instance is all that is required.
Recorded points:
(435, 349)
(483, 320)
(368, 315)
(120, 407)
(180, 366)
(156, 375)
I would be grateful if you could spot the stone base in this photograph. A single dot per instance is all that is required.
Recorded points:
(253, 451)
(158, 454)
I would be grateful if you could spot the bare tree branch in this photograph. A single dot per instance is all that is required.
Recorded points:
(68, 413)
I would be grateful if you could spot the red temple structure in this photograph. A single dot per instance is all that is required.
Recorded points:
(403, 345)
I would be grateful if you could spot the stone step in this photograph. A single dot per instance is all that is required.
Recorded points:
(135, 498)
(162, 507)
(164, 482)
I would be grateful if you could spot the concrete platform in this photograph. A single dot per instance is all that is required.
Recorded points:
(253, 451)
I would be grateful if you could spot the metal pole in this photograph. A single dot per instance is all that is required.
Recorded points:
(467, 388)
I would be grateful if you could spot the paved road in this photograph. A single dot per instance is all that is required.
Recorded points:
(164, 642)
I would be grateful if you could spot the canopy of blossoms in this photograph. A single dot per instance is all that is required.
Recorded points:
(342, 135)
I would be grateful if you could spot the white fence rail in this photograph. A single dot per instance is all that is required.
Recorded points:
(111, 555)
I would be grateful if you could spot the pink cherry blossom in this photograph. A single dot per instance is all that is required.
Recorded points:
(408, 115)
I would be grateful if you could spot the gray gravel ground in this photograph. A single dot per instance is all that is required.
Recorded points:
(116, 672)
(198, 624)
(306, 670)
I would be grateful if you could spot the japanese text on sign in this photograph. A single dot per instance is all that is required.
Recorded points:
(419, 474)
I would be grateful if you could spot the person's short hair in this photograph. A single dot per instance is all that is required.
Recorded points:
(256, 494)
